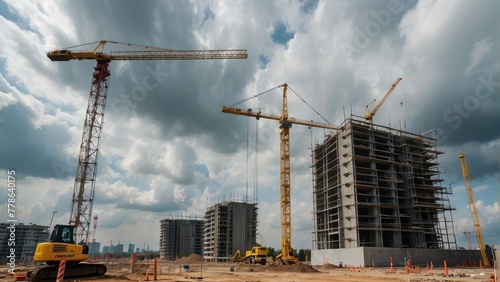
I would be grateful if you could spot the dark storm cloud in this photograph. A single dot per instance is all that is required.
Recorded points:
(183, 98)
(154, 23)
(373, 24)
(453, 99)
(32, 151)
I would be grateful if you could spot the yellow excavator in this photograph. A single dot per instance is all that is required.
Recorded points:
(61, 246)
(69, 242)
(258, 254)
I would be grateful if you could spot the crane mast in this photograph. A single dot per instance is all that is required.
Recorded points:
(84, 188)
(473, 210)
(285, 122)
(286, 215)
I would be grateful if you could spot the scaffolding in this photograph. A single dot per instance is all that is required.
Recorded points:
(374, 186)
(180, 236)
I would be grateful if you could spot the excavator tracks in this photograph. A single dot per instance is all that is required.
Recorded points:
(49, 273)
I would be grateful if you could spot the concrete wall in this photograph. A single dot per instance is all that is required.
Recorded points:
(380, 257)
(351, 256)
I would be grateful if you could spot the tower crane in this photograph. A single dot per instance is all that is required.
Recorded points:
(285, 122)
(370, 114)
(84, 188)
(473, 210)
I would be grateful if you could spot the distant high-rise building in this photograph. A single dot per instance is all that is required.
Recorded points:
(94, 248)
(119, 248)
(25, 237)
(229, 226)
(130, 248)
(106, 250)
(180, 236)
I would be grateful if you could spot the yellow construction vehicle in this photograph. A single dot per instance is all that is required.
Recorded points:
(258, 254)
(62, 247)
(473, 210)
(69, 242)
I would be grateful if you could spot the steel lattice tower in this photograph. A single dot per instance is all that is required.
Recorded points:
(84, 189)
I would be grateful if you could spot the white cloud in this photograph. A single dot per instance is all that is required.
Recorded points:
(480, 188)
(481, 49)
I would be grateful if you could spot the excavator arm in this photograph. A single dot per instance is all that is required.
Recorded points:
(237, 256)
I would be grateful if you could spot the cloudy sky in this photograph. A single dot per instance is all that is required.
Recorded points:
(170, 151)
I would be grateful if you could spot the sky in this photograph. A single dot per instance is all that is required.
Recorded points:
(166, 148)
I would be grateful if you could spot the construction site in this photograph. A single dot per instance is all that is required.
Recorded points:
(377, 197)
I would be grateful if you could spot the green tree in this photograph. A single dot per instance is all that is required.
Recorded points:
(271, 252)
(301, 255)
(308, 254)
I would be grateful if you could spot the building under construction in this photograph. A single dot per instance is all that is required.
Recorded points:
(229, 226)
(23, 239)
(180, 236)
(377, 193)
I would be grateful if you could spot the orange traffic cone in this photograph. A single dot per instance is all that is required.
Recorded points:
(147, 275)
(428, 268)
(445, 269)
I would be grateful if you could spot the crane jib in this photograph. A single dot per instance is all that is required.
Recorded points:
(66, 55)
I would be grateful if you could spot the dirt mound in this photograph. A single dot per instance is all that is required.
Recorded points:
(113, 277)
(194, 258)
(298, 267)
(328, 266)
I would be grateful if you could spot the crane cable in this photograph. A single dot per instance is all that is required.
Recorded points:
(118, 43)
(375, 99)
(276, 87)
(309, 105)
(256, 95)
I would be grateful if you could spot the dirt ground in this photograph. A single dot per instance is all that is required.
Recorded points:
(228, 272)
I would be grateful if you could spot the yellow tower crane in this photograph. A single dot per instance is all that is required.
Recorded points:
(370, 114)
(473, 210)
(69, 242)
(286, 256)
